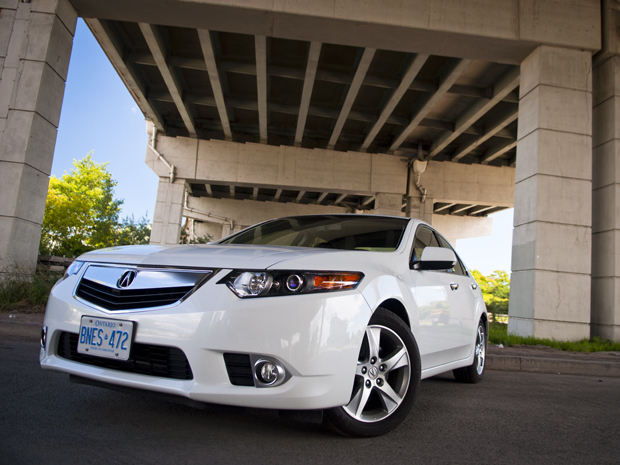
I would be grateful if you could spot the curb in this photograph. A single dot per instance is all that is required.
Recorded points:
(29, 330)
(553, 366)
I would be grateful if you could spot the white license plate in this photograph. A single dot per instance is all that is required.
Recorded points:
(107, 338)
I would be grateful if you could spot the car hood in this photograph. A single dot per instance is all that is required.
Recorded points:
(215, 256)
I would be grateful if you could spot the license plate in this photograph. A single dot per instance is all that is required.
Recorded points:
(107, 338)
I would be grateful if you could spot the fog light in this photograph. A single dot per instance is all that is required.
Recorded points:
(269, 373)
(43, 337)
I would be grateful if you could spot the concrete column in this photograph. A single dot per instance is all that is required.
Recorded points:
(168, 213)
(551, 252)
(35, 47)
(416, 209)
(606, 201)
(388, 204)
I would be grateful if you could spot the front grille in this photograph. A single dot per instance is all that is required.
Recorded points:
(145, 359)
(239, 369)
(114, 299)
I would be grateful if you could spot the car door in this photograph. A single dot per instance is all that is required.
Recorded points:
(463, 290)
(438, 310)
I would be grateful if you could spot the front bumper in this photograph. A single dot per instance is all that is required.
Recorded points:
(316, 338)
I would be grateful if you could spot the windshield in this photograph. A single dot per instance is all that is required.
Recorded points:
(351, 232)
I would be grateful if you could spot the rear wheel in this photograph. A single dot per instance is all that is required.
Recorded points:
(386, 380)
(474, 372)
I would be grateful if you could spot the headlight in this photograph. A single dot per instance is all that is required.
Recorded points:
(250, 283)
(74, 268)
(246, 283)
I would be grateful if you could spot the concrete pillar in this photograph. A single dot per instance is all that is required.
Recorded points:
(35, 47)
(168, 213)
(551, 252)
(606, 201)
(388, 204)
(416, 209)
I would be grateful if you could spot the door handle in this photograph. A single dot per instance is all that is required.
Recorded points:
(454, 286)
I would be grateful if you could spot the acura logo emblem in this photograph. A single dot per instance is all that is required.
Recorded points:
(126, 278)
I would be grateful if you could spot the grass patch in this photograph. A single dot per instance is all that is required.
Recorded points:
(498, 334)
(26, 294)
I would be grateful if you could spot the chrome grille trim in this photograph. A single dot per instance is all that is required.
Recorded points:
(152, 288)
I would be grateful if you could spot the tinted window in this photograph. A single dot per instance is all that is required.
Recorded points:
(350, 232)
(458, 267)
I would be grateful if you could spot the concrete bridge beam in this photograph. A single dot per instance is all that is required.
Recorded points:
(380, 177)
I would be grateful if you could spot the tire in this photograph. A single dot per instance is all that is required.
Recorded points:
(386, 380)
(475, 372)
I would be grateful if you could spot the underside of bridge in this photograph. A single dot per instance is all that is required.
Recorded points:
(448, 111)
(197, 82)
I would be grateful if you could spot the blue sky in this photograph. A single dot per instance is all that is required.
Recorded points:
(99, 115)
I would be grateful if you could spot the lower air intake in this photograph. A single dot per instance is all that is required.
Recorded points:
(239, 367)
(145, 359)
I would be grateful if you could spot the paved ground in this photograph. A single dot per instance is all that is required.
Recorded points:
(509, 418)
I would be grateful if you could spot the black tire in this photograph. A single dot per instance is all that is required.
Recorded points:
(475, 372)
(386, 381)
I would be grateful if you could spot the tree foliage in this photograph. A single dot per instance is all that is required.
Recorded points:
(81, 213)
(132, 232)
(495, 290)
(185, 238)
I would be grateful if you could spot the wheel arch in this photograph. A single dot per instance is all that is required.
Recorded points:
(397, 307)
(485, 319)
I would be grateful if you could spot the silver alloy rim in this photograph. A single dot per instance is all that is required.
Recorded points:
(382, 376)
(480, 350)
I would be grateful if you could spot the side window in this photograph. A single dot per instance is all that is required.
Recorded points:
(424, 237)
(458, 267)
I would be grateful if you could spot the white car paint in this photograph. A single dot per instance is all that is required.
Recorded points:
(316, 337)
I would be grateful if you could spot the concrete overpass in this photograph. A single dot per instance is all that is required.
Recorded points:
(445, 110)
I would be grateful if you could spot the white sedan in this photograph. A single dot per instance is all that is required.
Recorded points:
(339, 315)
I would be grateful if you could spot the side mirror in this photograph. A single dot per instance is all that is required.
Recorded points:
(436, 258)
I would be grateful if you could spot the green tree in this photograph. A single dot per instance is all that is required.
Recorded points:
(495, 290)
(81, 213)
(132, 232)
(184, 239)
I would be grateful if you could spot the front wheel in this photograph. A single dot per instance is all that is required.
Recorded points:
(474, 372)
(386, 380)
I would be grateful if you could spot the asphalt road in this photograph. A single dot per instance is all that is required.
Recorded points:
(509, 418)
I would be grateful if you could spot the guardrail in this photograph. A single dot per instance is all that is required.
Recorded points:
(51, 263)
(499, 317)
